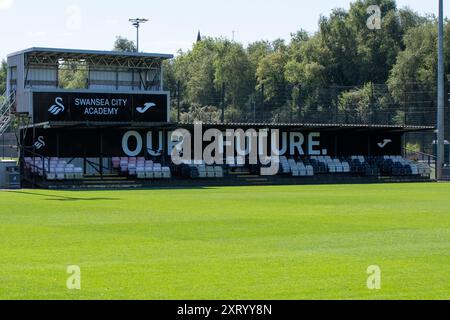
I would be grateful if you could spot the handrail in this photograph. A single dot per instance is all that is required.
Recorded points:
(421, 153)
(5, 110)
(429, 158)
(31, 151)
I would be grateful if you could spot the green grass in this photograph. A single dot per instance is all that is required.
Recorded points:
(304, 242)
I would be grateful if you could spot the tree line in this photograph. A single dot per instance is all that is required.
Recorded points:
(345, 72)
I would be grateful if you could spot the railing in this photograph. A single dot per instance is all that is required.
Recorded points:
(420, 156)
(6, 112)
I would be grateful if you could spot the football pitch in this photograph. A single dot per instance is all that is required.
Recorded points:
(302, 242)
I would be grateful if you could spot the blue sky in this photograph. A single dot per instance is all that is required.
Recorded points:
(93, 24)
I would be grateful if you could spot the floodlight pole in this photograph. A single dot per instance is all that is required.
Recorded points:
(441, 95)
(137, 23)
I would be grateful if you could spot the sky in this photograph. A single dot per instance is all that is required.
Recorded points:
(173, 25)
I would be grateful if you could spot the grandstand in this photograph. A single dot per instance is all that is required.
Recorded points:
(116, 131)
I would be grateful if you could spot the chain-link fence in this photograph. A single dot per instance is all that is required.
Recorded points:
(8, 146)
(374, 104)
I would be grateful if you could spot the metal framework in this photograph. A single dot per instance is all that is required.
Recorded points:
(140, 65)
(93, 60)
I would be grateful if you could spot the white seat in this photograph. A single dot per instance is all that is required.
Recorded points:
(157, 175)
(346, 167)
(140, 172)
(210, 172)
(60, 173)
(149, 174)
(51, 176)
(240, 161)
(78, 173)
(218, 172)
(231, 161)
(202, 173)
(132, 169)
(166, 173)
(68, 173)
(115, 162)
(415, 170)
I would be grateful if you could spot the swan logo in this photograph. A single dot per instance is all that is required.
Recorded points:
(383, 144)
(58, 107)
(39, 144)
(146, 107)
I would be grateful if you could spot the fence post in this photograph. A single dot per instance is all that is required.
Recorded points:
(178, 101)
(262, 103)
(372, 104)
(298, 103)
(254, 111)
(222, 117)
(336, 103)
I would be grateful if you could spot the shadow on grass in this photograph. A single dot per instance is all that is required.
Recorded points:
(63, 198)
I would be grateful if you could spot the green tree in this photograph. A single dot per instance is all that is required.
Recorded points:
(3, 72)
(271, 78)
(357, 106)
(204, 70)
(412, 81)
(73, 75)
(256, 51)
(233, 69)
(377, 50)
(124, 45)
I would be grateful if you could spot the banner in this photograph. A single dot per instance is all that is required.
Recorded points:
(79, 143)
(100, 107)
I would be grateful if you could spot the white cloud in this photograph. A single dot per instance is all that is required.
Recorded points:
(6, 4)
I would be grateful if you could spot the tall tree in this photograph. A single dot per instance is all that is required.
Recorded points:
(3, 70)
(271, 78)
(73, 75)
(124, 45)
(234, 71)
(413, 77)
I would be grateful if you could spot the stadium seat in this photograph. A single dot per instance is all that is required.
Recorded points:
(78, 173)
(68, 173)
(140, 172)
(60, 173)
(231, 162)
(240, 162)
(149, 173)
(166, 173)
(116, 162)
(157, 172)
(218, 170)
(202, 173)
(51, 175)
(285, 165)
(132, 169)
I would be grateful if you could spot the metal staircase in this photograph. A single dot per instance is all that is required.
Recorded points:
(6, 112)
